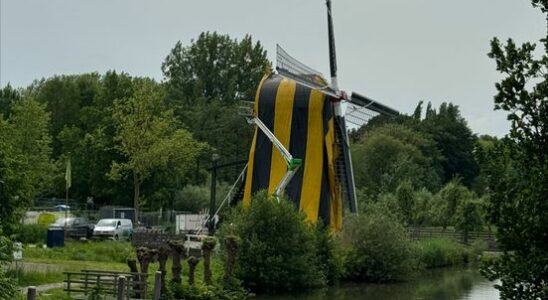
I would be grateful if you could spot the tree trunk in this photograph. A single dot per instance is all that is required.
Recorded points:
(136, 191)
(207, 267)
(132, 264)
(192, 262)
(177, 248)
(207, 246)
(163, 255)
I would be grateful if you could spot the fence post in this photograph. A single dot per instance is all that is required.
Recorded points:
(31, 293)
(68, 284)
(120, 290)
(157, 285)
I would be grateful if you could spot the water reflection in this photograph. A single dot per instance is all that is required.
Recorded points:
(441, 284)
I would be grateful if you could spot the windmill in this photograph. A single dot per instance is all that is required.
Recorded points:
(300, 147)
(359, 109)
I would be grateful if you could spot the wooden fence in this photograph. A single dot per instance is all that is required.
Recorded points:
(105, 282)
(156, 238)
(418, 233)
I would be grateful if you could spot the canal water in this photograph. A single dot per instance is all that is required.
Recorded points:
(440, 284)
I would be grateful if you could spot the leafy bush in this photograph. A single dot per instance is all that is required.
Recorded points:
(8, 286)
(32, 234)
(195, 198)
(376, 248)
(278, 250)
(434, 253)
(330, 261)
(477, 247)
(46, 218)
(203, 292)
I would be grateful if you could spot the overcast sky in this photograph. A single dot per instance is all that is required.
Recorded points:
(397, 52)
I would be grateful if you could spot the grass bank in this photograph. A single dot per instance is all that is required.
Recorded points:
(436, 253)
(42, 265)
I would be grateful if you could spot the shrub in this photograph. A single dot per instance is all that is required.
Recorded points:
(278, 249)
(46, 218)
(32, 234)
(434, 253)
(330, 262)
(376, 248)
(8, 286)
(202, 292)
(477, 247)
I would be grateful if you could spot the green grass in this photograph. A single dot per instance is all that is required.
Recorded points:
(53, 294)
(435, 253)
(104, 251)
(44, 266)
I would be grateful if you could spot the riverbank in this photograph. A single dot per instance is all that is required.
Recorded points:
(42, 266)
(455, 283)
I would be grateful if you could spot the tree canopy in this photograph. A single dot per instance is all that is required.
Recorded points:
(518, 205)
(205, 82)
(149, 137)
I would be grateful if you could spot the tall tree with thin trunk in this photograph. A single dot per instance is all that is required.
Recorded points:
(149, 137)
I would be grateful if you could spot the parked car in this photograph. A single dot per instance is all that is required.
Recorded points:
(61, 207)
(77, 227)
(117, 229)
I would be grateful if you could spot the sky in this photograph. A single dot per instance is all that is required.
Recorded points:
(397, 52)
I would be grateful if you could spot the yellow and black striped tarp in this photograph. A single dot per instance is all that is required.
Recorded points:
(302, 119)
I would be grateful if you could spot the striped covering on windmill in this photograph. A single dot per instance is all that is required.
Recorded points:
(302, 119)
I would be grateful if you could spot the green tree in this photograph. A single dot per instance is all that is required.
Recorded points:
(149, 137)
(448, 200)
(205, 82)
(30, 121)
(392, 153)
(454, 139)
(61, 96)
(207, 70)
(8, 96)
(518, 202)
(493, 159)
(422, 213)
(406, 201)
(91, 141)
(25, 164)
(468, 217)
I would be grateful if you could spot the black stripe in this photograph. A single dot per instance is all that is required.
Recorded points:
(297, 140)
(325, 196)
(327, 113)
(263, 146)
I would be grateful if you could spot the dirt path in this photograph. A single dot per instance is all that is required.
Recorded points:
(44, 287)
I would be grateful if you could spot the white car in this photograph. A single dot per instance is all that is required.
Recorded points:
(117, 229)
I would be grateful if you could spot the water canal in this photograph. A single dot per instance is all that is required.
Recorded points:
(440, 284)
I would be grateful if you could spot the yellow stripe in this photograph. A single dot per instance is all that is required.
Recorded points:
(283, 113)
(335, 201)
(249, 175)
(313, 166)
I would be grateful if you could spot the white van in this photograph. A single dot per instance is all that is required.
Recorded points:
(117, 229)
